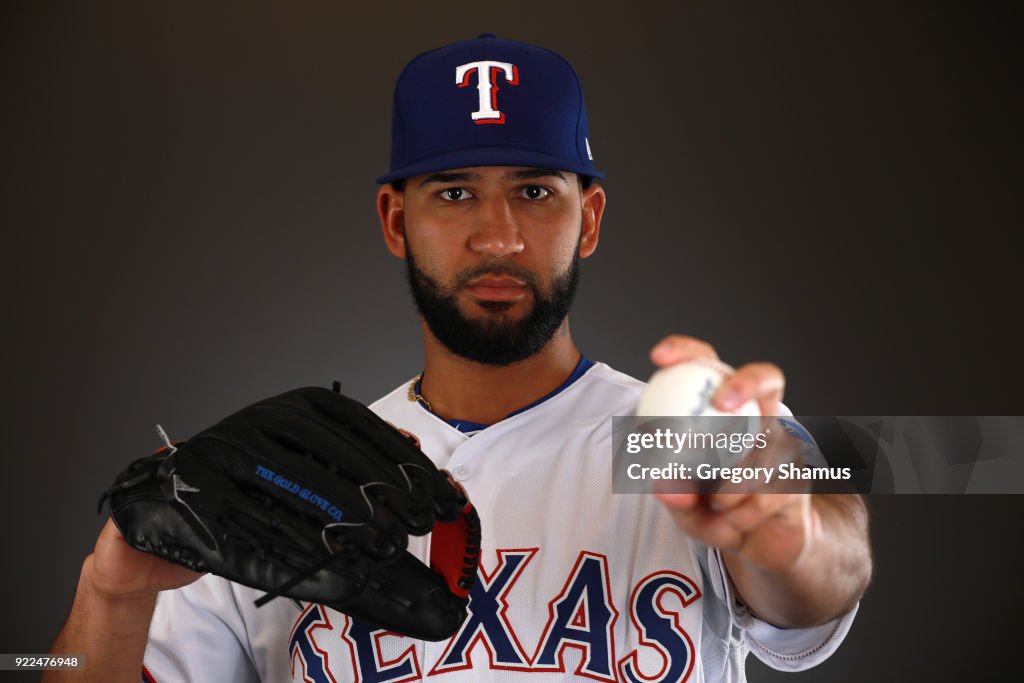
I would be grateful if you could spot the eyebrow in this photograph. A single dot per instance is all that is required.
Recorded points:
(449, 178)
(524, 174)
(531, 173)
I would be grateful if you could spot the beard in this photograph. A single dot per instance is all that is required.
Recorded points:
(496, 339)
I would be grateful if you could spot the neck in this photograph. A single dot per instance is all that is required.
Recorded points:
(461, 389)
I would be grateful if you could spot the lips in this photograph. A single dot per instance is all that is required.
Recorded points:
(497, 288)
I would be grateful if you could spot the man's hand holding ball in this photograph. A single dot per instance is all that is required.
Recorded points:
(769, 530)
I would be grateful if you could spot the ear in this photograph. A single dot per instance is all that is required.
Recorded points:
(593, 199)
(391, 212)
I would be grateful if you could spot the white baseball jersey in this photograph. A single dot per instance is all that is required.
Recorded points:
(574, 581)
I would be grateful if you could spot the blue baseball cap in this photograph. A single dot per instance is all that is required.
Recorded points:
(488, 102)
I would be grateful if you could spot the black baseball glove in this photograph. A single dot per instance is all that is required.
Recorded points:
(309, 495)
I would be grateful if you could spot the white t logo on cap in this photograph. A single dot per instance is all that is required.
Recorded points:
(486, 86)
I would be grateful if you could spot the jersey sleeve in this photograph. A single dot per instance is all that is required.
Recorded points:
(197, 634)
(793, 649)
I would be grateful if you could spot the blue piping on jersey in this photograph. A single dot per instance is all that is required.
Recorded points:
(471, 428)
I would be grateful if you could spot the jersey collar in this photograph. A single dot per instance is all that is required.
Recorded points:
(470, 428)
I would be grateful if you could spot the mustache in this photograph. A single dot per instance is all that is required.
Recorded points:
(464, 277)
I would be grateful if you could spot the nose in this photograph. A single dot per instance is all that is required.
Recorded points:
(495, 230)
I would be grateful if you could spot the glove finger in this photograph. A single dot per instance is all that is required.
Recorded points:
(447, 499)
(329, 500)
(383, 444)
(322, 456)
(202, 521)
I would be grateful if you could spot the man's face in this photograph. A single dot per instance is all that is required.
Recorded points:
(493, 256)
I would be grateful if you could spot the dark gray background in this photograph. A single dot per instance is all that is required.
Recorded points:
(188, 225)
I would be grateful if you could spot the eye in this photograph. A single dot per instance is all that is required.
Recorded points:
(536, 192)
(454, 194)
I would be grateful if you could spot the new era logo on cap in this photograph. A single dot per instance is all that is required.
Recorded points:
(444, 98)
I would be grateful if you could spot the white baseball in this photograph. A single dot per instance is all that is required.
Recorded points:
(686, 389)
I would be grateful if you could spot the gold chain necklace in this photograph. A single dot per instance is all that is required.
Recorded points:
(417, 397)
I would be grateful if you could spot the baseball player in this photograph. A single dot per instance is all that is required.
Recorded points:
(492, 200)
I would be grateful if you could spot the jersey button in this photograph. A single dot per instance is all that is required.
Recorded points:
(460, 472)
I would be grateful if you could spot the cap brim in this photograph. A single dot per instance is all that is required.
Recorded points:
(489, 156)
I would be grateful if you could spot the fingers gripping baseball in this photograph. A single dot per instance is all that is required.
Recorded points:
(760, 382)
(770, 530)
(678, 348)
